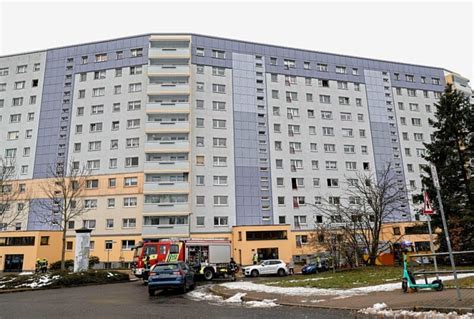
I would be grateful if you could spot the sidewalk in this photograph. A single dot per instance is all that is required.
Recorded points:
(443, 301)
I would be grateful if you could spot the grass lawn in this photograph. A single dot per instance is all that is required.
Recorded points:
(361, 277)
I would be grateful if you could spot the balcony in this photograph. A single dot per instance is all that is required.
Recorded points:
(166, 186)
(167, 166)
(165, 230)
(166, 208)
(166, 146)
(168, 69)
(159, 89)
(167, 107)
(169, 53)
(168, 126)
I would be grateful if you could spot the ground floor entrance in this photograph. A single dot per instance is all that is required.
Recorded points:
(267, 253)
(13, 263)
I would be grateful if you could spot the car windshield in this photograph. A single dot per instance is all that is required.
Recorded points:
(165, 267)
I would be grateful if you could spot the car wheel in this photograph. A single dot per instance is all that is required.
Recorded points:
(281, 272)
(151, 292)
(254, 273)
(208, 273)
(440, 286)
(192, 286)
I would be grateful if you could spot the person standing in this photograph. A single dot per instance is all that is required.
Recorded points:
(291, 267)
(255, 257)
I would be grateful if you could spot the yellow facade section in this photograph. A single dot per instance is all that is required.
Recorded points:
(47, 244)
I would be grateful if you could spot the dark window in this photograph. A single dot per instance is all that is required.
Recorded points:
(17, 241)
(422, 246)
(174, 249)
(69, 245)
(266, 235)
(282, 219)
(416, 230)
(44, 240)
(396, 230)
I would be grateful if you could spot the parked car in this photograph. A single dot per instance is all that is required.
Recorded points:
(314, 267)
(267, 267)
(176, 275)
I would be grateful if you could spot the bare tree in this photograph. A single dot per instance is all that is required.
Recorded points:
(13, 195)
(63, 190)
(368, 203)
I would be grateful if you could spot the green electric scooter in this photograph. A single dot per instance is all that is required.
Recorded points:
(408, 280)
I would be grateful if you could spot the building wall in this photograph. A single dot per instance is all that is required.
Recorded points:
(178, 75)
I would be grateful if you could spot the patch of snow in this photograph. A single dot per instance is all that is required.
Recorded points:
(109, 274)
(236, 298)
(25, 273)
(381, 310)
(306, 291)
(2, 286)
(203, 294)
(265, 303)
(317, 300)
(308, 279)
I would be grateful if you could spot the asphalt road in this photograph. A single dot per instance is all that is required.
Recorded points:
(131, 300)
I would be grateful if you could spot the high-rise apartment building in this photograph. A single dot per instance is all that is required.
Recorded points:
(190, 135)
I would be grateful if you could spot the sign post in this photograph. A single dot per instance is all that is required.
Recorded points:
(434, 175)
(428, 211)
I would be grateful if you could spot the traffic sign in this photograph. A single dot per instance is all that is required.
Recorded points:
(434, 176)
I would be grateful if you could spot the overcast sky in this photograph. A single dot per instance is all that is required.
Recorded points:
(436, 34)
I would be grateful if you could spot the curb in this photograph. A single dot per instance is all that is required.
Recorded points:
(459, 310)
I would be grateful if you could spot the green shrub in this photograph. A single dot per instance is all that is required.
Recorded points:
(68, 263)
(89, 277)
(93, 260)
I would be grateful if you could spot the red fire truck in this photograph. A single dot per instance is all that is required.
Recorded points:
(208, 257)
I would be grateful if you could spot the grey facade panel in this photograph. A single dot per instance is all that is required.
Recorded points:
(56, 107)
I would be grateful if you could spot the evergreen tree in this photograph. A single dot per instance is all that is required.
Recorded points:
(451, 151)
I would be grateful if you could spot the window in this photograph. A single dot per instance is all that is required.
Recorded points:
(200, 220)
(416, 121)
(97, 109)
(99, 75)
(346, 116)
(130, 181)
(110, 202)
(218, 124)
(69, 245)
(411, 92)
(134, 87)
(331, 165)
(219, 161)
(113, 163)
(328, 131)
(96, 92)
(220, 200)
(90, 203)
(218, 71)
(112, 182)
(329, 148)
(349, 149)
(199, 160)
(13, 135)
(342, 85)
(95, 127)
(221, 221)
(3, 87)
(325, 99)
(200, 51)
(322, 67)
(218, 88)
(117, 89)
(218, 54)
(200, 69)
(289, 64)
(435, 81)
(3, 71)
(418, 136)
(17, 101)
(93, 164)
(200, 180)
(356, 87)
(344, 100)
(220, 180)
(334, 200)
(341, 69)
(137, 69)
(118, 72)
(300, 220)
(127, 244)
(92, 183)
(219, 142)
(129, 202)
(314, 164)
(134, 105)
(398, 91)
(133, 142)
(21, 68)
(218, 106)
(200, 200)
(137, 52)
(414, 107)
(114, 144)
(15, 118)
(89, 223)
(19, 85)
(102, 57)
(409, 78)
(133, 124)
(131, 161)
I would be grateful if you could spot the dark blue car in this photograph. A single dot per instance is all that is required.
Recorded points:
(176, 275)
(309, 269)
